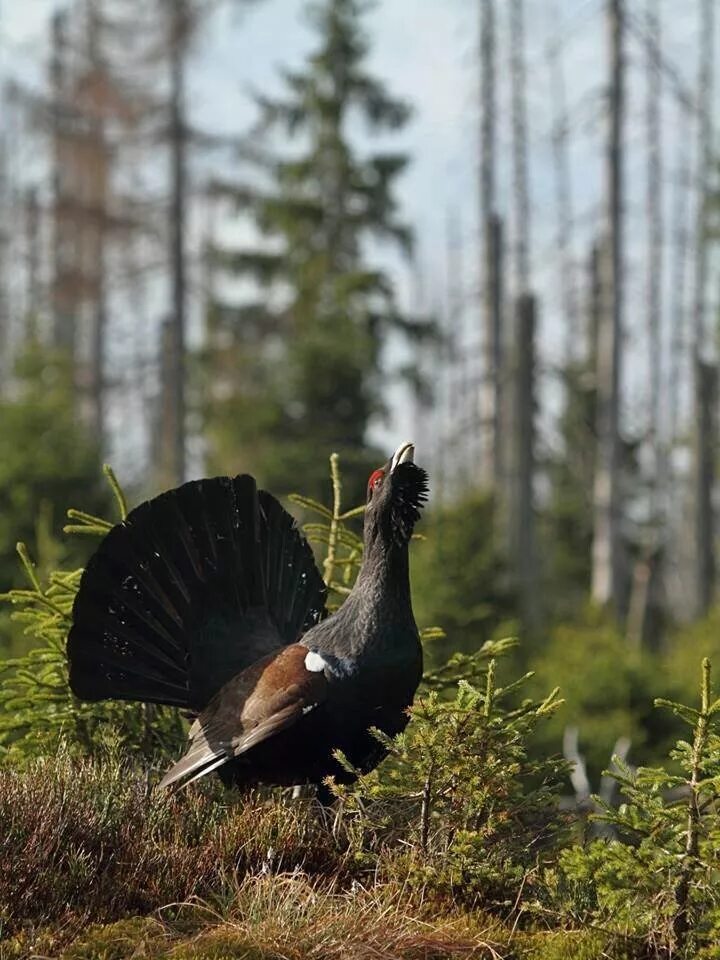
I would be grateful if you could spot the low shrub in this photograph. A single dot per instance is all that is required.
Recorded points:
(474, 814)
(656, 882)
(37, 709)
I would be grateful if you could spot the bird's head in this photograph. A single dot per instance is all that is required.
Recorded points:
(396, 493)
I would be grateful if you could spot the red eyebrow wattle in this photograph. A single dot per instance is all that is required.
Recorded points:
(374, 475)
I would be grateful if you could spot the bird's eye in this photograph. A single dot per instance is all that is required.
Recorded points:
(375, 480)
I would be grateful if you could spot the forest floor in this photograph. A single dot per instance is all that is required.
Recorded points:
(98, 866)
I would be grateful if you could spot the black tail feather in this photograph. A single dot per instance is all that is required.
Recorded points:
(188, 591)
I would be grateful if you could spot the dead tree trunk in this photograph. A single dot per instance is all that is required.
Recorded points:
(164, 412)
(522, 461)
(172, 465)
(521, 191)
(4, 262)
(496, 355)
(646, 588)
(706, 388)
(98, 227)
(594, 305)
(704, 467)
(607, 559)
(588, 381)
(563, 197)
(654, 278)
(455, 450)
(680, 229)
(66, 266)
(523, 517)
(490, 235)
(32, 243)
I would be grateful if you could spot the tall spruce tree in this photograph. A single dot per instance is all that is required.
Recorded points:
(297, 372)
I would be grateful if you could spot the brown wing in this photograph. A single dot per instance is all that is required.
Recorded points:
(269, 696)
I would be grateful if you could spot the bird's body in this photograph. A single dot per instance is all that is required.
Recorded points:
(208, 598)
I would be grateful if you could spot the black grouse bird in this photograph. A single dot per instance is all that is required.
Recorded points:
(208, 598)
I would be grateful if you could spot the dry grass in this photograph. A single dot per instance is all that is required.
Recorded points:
(293, 917)
(97, 866)
(92, 840)
(296, 917)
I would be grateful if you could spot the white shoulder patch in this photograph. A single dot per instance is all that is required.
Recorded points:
(314, 662)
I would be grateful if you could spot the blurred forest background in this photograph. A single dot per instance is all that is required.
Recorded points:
(238, 235)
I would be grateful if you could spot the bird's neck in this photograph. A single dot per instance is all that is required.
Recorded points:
(378, 609)
(384, 578)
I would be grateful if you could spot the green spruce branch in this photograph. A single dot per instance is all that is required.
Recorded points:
(342, 547)
(37, 708)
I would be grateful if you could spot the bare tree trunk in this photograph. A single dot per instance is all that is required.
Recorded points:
(5, 363)
(706, 387)
(32, 242)
(563, 198)
(97, 356)
(172, 466)
(455, 450)
(607, 566)
(496, 372)
(678, 280)
(654, 277)
(490, 234)
(66, 267)
(522, 460)
(164, 413)
(523, 501)
(521, 191)
(99, 221)
(704, 472)
(594, 304)
(645, 589)
(419, 309)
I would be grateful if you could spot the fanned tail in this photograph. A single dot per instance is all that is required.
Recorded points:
(193, 587)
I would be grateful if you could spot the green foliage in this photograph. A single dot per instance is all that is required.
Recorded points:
(685, 647)
(459, 578)
(608, 686)
(658, 880)
(37, 709)
(299, 368)
(566, 527)
(342, 547)
(46, 458)
(461, 793)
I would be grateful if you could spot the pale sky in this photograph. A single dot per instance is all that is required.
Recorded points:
(426, 51)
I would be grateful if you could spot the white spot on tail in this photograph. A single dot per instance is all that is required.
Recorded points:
(308, 708)
(314, 662)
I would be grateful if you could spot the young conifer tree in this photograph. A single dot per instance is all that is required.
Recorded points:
(298, 369)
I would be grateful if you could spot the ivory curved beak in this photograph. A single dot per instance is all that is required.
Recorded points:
(405, 453)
